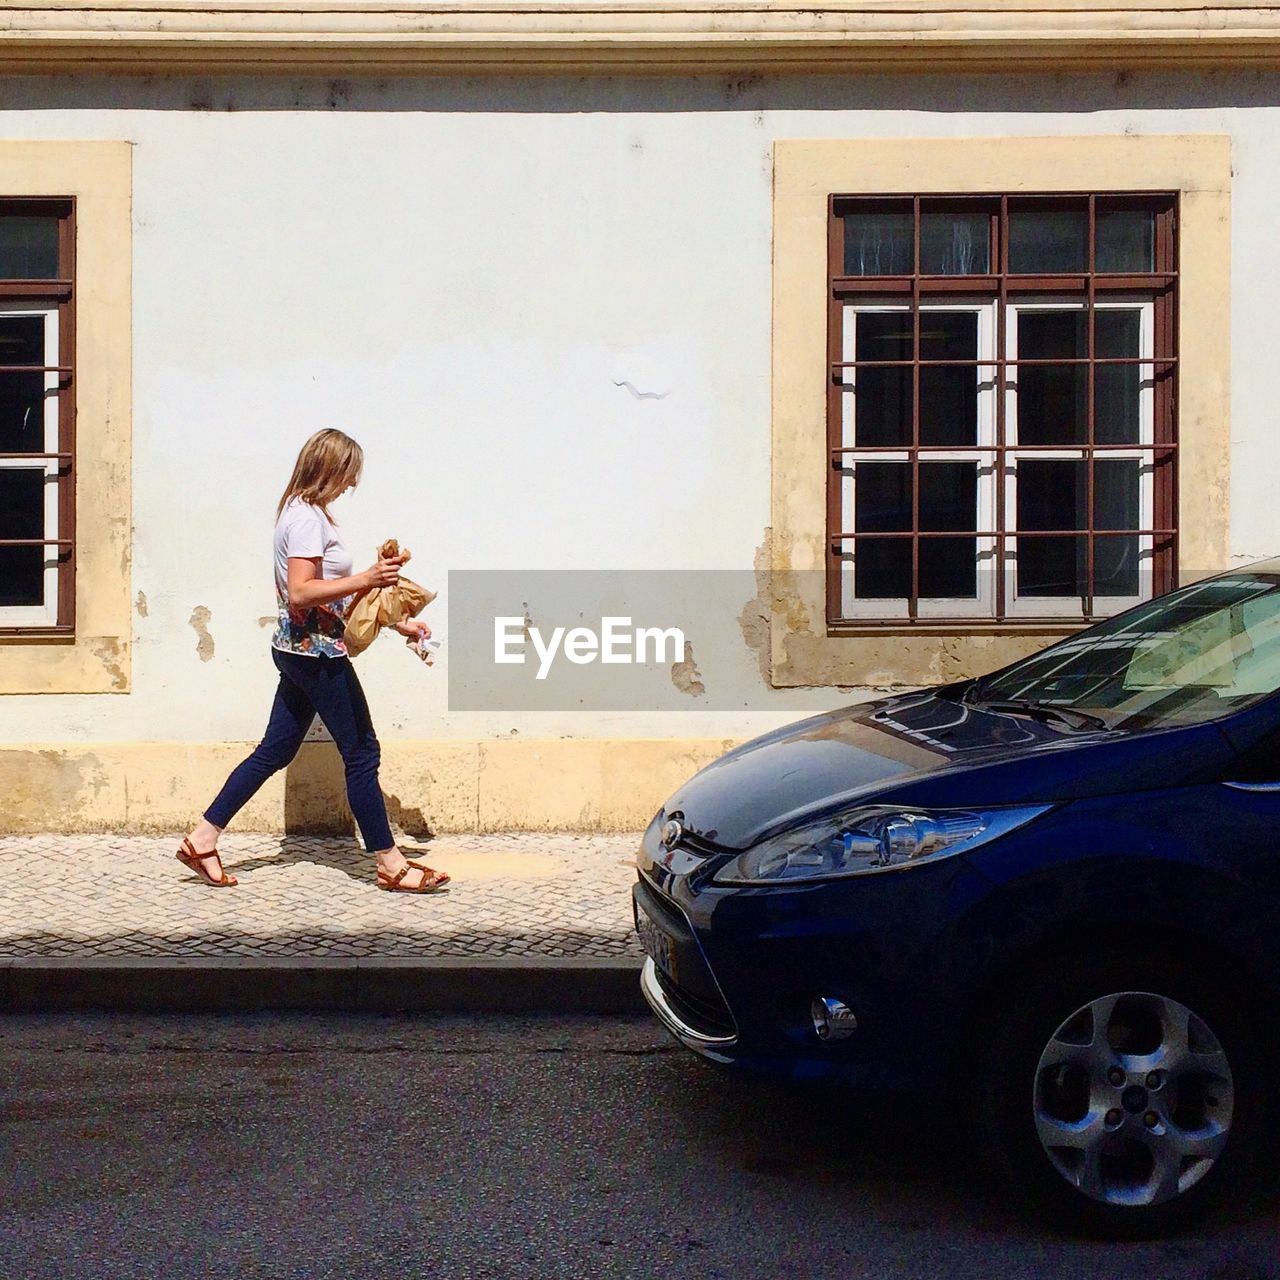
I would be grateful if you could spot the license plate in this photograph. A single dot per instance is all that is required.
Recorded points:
(656, 944)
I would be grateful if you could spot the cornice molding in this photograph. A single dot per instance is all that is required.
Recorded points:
(321, 36)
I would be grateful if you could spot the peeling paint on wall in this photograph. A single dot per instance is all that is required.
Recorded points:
(199, 621)
(42, 788)
(642, 374)
(685, 675)
(108, 650)
(754, 618)
(141, 604)
(637, 393)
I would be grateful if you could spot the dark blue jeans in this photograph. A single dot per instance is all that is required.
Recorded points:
(311, 686)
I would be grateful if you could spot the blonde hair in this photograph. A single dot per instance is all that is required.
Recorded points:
(329, 462)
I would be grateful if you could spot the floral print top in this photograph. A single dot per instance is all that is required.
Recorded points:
(316, 632)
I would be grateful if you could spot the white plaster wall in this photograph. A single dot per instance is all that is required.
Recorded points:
(460, 273)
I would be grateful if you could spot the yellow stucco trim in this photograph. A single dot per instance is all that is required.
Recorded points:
(98, 175)
(805, 175)
(585, 784)
(633, 35)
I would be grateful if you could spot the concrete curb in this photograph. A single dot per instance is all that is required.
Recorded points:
(383, 984)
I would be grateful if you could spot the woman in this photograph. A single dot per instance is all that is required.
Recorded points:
(314, 590)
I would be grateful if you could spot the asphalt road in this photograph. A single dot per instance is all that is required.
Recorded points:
(467, 1147)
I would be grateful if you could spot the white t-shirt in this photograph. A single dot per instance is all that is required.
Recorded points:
(304, 531)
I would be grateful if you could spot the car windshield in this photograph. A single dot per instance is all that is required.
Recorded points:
(1192, 655)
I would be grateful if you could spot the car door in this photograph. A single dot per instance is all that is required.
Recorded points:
(1247, 801)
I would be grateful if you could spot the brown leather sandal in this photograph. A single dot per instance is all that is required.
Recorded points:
(438, 878)
(431, 880)
(191, 858)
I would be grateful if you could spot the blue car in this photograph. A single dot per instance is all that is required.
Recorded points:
(1047, 899)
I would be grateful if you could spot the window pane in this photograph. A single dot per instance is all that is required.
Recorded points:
(1051, 567)
(1115, 499)
(1052, 399)
(1116, 506)
(22, 516)
(1043, 241)
(948, 500)
(955, 244)
(1115, 567)
(28, 248)
(882, 566)
(1051, 495)
(22, 394)
(882, 397)
(1116, 387)
(949, 396)
(1125, 240)
(878, 243)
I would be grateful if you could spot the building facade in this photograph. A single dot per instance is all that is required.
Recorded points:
(947, 328)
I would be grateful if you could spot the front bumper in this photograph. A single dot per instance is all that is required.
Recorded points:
(672, 1016)
(678, 982)
(906, 953)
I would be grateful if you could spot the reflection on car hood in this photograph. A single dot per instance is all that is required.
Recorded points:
(915, 748)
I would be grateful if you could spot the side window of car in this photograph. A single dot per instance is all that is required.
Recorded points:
(1235, 651)
(1257, 665)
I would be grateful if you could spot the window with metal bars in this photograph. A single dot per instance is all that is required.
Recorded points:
(37, 416)
(1001, 407)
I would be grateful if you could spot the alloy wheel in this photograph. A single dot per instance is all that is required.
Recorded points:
(1133, 1099)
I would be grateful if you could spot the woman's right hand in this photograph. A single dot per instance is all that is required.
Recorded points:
(386, 573)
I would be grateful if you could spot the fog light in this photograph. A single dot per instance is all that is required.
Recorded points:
(833, 1019)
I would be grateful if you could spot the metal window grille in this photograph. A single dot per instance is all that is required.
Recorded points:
(922, 256)
(37, 297)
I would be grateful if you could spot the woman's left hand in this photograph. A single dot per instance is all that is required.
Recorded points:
(414, 629)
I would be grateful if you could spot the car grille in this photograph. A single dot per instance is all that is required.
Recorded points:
(695, 995)
(699, 847)
(708, 1017)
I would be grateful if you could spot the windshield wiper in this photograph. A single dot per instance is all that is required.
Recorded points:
(1042, 711)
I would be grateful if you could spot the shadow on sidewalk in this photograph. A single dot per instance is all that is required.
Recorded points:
(320, 851)
(317, 818)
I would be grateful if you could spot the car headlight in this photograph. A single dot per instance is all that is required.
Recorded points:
(870, 839)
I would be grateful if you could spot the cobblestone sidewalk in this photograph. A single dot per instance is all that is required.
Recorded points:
(511, 895)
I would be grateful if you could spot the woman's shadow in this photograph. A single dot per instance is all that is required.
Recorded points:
(318, 826)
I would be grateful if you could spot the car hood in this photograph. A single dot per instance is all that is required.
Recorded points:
(926, 748)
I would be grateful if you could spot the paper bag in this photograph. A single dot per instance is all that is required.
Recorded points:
(384, 606)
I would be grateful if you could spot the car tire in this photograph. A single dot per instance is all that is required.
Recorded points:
(1119, 1095)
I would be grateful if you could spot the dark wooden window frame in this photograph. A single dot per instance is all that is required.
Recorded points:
(1002, 287)
(60, 293)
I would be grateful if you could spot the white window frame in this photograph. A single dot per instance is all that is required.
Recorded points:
(1017, 606)
(983, 454)
(44, 614)
(988, 462)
